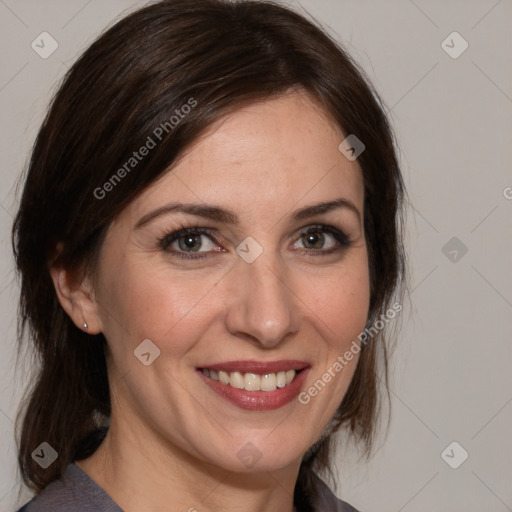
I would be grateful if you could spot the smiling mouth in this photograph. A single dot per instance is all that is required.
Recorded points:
(252, 381)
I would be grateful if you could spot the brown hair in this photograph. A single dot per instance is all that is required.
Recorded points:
(126, 84)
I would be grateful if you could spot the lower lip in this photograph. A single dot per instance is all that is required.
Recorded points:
(257, 400)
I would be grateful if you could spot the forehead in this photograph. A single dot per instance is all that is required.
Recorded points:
(280, 152)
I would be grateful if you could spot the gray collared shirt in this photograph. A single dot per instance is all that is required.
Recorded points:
(75, 491)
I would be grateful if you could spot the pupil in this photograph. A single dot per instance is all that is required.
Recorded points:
(189, 242)
(311, 238)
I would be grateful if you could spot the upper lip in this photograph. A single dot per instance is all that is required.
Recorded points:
(258, 367)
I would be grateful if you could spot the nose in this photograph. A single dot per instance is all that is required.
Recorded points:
(263, 307)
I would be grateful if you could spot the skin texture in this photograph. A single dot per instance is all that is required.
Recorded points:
(172, 440)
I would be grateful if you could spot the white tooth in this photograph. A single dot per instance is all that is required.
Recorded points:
(290, 374)
(268, 382)
(252, 382)
(205, 372)
(236, 379)
(281, 379)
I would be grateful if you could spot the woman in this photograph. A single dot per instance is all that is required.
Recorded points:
(207, 240)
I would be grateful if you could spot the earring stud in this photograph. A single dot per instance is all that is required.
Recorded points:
(86, 326)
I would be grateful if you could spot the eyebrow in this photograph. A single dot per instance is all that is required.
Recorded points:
(216, 213)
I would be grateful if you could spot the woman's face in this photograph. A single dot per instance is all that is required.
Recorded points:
(254, 289)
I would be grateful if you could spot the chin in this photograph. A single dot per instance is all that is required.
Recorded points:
(260, 455)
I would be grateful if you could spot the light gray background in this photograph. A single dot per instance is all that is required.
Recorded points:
(452, 378)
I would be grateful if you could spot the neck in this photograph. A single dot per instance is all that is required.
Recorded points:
(153, 475)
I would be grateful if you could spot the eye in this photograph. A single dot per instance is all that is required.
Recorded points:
(189, 243)
(196, 242)
(315, 239)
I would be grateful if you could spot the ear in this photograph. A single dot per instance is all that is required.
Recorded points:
(76, 296)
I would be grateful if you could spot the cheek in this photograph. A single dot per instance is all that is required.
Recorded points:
(148, 301)
(341, 302)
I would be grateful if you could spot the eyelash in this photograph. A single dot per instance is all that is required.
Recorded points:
(164, 243)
